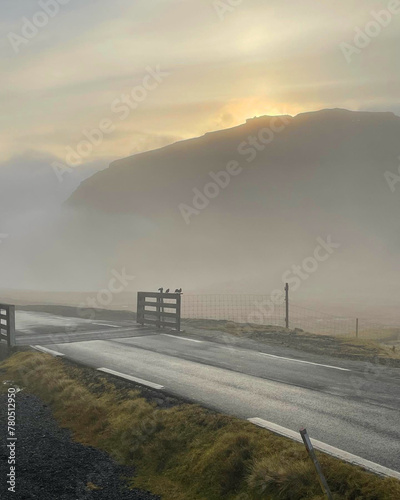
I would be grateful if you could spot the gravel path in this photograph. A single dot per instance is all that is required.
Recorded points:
(50, 466)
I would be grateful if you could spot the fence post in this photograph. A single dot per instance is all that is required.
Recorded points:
(313, 456)
(357, 328)
(287, 304)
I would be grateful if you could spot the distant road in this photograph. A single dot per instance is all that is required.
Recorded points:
(351, 405)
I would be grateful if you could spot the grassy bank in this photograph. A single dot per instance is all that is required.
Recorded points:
(184, 452)
(384, 349)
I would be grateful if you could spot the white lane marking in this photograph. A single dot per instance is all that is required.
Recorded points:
(47, 351)
(127, 341)
(106, 324)
(93, 332)
(306, 362)
(326, 448)
(182, 338)
(132, 379)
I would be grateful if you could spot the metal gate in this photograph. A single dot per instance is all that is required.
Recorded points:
(160, 309)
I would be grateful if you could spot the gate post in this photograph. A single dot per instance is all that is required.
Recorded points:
(178, 312)
(158, 309)
(11, 326)
(140, 309)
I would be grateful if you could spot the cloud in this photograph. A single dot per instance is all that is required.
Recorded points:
(262, 57)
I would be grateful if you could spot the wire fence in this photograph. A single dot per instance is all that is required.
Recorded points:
(262, 310)
(238, 308)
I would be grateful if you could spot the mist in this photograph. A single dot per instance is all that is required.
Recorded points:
(318, 183)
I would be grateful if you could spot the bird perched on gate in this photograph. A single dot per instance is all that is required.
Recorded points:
(178, 290)
(161, 290)
(167, 290)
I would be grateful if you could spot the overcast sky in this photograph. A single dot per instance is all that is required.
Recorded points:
(224, 64)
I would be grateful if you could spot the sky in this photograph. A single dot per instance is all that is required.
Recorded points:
(193, 66)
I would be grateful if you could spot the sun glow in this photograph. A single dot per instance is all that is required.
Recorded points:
(237, 111)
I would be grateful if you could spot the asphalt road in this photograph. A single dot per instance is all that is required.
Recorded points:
(350, 405)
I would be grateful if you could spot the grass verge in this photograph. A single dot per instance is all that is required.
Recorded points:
(184, 452)
(384, 349)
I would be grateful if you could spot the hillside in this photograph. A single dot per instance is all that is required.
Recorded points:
(312, 151)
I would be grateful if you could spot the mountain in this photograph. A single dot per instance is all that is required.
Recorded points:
(286, 183)
(319, 154)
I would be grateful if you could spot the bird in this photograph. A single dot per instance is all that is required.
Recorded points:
(167, 290)
(178, 290)
(161, 290)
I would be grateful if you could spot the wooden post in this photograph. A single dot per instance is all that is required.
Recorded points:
(178, 312)
(287, 304)
(357, 328)
(162, 310)
(11, 326)
(138, 308)
(158, 308)
(313, 456)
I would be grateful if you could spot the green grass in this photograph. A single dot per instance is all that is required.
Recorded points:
(185, 452)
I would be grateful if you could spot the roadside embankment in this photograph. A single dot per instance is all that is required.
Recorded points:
(183, 451)
(50, 465)
(379, 351)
